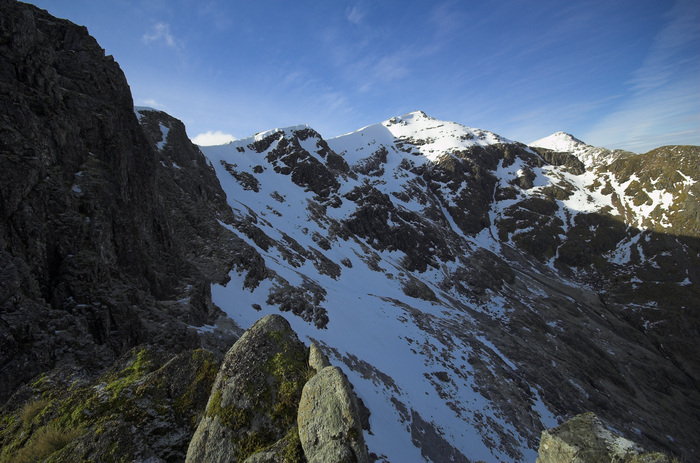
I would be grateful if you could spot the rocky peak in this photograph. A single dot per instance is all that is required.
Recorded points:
(590, 156)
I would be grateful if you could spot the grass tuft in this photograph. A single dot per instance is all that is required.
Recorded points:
(31, 410)
(45, 442)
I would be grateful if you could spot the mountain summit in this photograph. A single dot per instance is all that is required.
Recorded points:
(589, 155)
(559, 141)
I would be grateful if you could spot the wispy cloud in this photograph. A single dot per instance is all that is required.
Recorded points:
(216, 14)
(355, 15)
(160, 32)
(211, 138)
(664, 104)
(447, 18)
(150, 102)
(665, 55)
(665, 116)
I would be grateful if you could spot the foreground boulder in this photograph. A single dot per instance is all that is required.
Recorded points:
(157, 407)
(584, 439)
(253, 403)
(268, 404)
(328, 419)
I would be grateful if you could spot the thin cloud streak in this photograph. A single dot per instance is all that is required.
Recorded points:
(663, 107)
(651, 119)
(662, 62)
(160, 32)
(355, 15)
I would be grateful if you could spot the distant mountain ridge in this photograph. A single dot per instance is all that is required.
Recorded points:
(437, 232)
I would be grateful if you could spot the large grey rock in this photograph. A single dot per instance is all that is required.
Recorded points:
(329, 421)
(254, 400)
(584, 439)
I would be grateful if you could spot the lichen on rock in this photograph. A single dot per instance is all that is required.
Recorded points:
(255, 396)
(328, 419)
(585, 439)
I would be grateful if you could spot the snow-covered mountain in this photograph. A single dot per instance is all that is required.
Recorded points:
(476, 290)
(589, 155)
(560, 141)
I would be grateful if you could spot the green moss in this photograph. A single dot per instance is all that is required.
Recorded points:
(652, 457)
(293, 451)
(206, 374)
(79, 407)
(11, 437)
(129, 375)
(250, 443)
(230, 416)
(290, 370)
(40, 383)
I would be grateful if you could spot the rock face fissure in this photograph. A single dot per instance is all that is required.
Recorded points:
(269, 404)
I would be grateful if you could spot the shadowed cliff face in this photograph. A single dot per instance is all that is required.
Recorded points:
(89, 252)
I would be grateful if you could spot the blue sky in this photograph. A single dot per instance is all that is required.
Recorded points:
(619, 74)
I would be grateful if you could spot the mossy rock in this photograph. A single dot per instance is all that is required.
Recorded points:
(585, 439)
(256, 394)
(146, 405)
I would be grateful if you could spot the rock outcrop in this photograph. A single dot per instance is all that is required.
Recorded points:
(143, 408)
(254, 400)
(153, 406)
(262, 409)
(329, 421)
(585, 439)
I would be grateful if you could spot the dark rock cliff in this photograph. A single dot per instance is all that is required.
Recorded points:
(101, 244)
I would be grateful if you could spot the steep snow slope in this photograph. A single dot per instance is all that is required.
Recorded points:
(425, 256)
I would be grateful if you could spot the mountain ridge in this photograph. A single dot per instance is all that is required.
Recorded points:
(388, 192)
